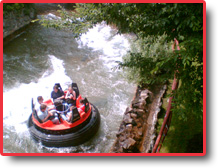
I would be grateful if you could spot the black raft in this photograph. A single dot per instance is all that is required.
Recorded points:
(68, 133)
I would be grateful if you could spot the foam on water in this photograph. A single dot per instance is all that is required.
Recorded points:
(104, 38)
(17, 101)
(108, 91)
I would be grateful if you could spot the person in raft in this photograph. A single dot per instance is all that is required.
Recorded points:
(47, 113)
(40, 101)
(68, 116)
(71, 102)
(57, 93)
(71, 97)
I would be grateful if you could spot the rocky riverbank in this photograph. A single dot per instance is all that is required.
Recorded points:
(15, 22)
(17, 19)
(138, 127)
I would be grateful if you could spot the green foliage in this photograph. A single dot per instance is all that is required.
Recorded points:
(12, 6)
(176, 20)
(151, 60)
(68, 21)
(9, 7)
(190, 92)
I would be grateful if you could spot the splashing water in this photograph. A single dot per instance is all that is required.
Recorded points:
(40, 57)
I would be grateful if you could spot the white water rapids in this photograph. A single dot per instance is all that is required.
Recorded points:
(40, 57)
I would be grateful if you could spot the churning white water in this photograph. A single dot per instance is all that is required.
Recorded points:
(40, 57)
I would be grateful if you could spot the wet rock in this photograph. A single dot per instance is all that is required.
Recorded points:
(134, 124)
(129, 127)
(140, 131)
(127, 110)
(128, 143)
(137, 135)
(121, 136)
(120, 150)
(139, 124)
(136, 100)
(133, 115)
(138, 105)
(127, 119)
(144, 94)
(140, 114)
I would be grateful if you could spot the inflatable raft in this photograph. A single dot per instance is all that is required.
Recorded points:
(83, 126)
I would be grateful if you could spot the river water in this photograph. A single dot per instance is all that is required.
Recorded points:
(39, 57)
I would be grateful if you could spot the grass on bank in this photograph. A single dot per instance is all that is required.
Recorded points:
(183, 136)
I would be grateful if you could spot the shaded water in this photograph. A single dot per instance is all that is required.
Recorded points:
(40, 57)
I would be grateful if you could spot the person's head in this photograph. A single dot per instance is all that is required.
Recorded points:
(43, 107)
(81, 101)
(70, 89)
(40, 99)
(55, 88)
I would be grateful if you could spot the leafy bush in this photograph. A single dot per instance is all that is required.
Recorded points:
(9, 7)
(149, 61)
